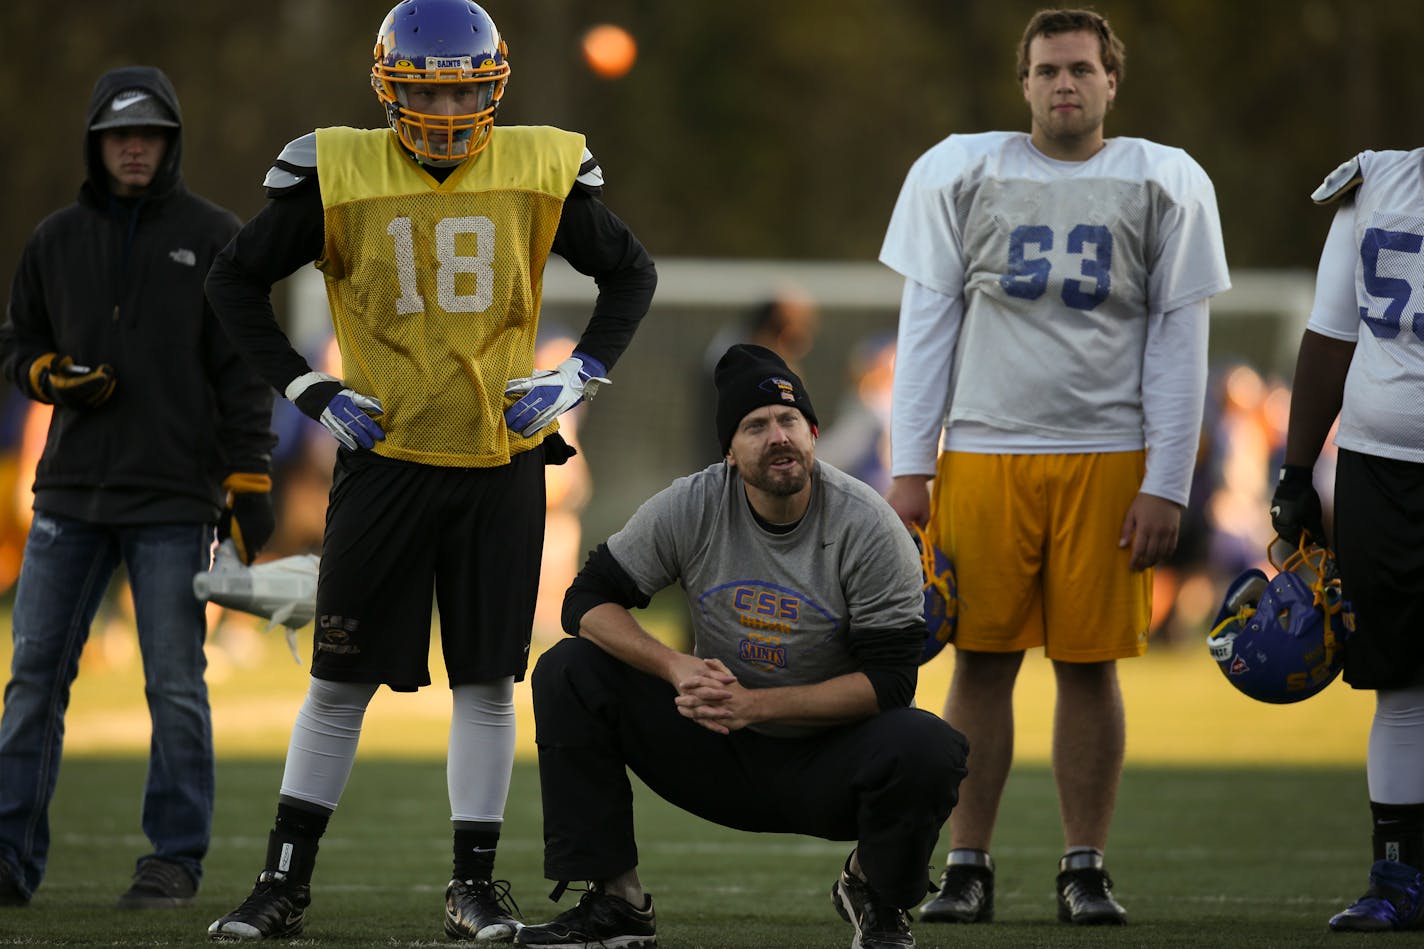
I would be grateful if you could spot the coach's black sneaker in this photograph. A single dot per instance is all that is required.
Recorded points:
(598, 920)
(275, 910)
(11, 893)
(966, 890)
(159, 884)
(481, 910)
(878, 925)
(1085, 891)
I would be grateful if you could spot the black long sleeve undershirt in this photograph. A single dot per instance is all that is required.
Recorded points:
(288, 233)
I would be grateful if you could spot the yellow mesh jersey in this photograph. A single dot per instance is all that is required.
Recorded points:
(435, 287)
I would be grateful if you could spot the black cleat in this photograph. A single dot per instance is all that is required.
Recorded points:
(597, 920)
(159, 884)
(275, 910)
(1085, 892)
(966, 895)
(480, 910)
(878, 925)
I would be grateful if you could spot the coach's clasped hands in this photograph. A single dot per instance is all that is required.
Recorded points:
(550, 393)
(58, 379)
(341, 411)
(709, 694)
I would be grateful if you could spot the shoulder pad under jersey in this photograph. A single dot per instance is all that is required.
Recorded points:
(1339, 182)
(295, 166)
(590, 176)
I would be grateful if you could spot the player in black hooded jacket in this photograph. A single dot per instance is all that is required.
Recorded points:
(159, 432)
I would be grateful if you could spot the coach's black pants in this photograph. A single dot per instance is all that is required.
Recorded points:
(887, 782)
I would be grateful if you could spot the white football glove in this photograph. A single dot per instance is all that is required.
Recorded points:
(550, 393)
(282, 591)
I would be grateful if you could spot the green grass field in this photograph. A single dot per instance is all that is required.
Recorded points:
(1202, 857)
(1238, 824)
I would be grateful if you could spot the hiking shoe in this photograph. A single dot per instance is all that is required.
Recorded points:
(11, 893)
(1085, 892)
(1395, 900)
(159, 884)
(878, 925)
(480, 910)
(597, 920)
(275, 910)
(966, 895)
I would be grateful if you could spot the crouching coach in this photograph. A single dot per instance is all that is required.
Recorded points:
(793, 712)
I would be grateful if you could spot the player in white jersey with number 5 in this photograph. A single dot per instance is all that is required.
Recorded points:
(1053, 327)
(1362, 358)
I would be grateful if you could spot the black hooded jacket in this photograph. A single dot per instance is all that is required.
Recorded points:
(120, 281)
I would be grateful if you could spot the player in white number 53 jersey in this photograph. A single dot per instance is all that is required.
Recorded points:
(1053, 327)
(1362, 357)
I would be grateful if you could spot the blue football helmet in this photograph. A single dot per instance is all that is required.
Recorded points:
(1282, 640)
(440, 72)
(941, 607)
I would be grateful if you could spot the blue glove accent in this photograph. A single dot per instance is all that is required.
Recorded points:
(550, 393)
(345, 417)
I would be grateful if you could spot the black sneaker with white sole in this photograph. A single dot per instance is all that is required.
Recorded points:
(275, 910)
(159, 884)
(597, 920)
(966, 891)
(482, 910)
(1085, 896)
(878, 924)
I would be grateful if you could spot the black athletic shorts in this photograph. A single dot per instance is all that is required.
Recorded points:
(401, 536)
(1379, 545)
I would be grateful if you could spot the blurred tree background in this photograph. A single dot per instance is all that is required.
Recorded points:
(749, 128)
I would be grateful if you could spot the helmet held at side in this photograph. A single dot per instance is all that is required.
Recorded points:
(440, 70)
(941, 596)
(1283, 640)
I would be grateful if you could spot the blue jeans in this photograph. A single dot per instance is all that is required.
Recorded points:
(66, 570)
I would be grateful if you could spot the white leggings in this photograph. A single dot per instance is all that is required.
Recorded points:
(481, 752)
(1395, 765)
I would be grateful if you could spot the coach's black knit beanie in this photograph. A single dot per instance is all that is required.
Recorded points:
(749, 377)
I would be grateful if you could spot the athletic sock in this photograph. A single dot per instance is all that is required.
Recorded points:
(293, 841)
(1399, 833)
(475, 847)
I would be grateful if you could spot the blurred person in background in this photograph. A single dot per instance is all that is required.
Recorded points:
(1362, 359)
(857, 441)
(159, 431)
(432, 236)
(568, 489)
(1053, 326)
(787, 323)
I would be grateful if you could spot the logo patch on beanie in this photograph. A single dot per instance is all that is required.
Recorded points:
(779, 386)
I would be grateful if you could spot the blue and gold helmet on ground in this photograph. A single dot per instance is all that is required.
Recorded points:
(1283, 639)
(941, 608)
(429, 45)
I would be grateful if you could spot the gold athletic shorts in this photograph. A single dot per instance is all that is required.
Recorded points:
(1034, 541)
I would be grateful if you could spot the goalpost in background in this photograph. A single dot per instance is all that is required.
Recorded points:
(648, 427)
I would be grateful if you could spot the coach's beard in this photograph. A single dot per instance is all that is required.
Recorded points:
(778, 482)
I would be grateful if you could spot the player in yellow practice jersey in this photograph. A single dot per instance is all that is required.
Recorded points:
(432, 236)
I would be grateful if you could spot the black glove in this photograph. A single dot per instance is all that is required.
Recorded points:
(58, 380)
(249, 519)
(1295, 507)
